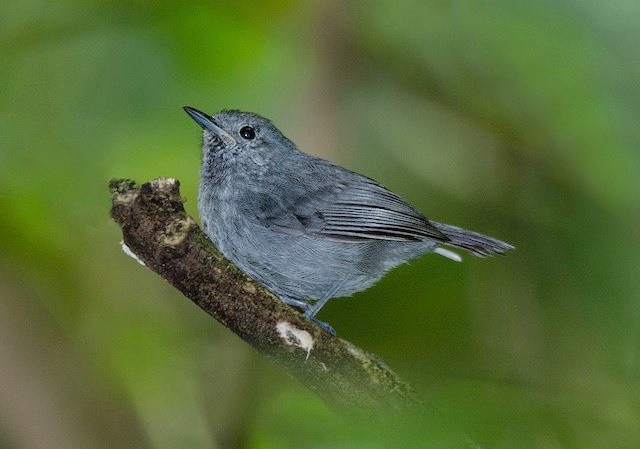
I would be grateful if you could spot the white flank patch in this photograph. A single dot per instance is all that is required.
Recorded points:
(128, 252)
(294, 336)
(448, 254)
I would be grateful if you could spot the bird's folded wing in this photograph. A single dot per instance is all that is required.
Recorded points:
(355, 211)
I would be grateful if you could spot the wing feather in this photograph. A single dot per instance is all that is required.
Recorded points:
(355, 210)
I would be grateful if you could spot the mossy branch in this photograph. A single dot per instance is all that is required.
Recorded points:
(158, 232)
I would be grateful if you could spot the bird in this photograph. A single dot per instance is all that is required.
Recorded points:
(305, 228)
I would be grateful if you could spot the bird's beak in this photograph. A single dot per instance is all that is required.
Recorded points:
(207, 123)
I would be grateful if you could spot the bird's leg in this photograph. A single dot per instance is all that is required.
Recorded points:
(315, 308)
(325, 326)
(298, 303)
(310, 310)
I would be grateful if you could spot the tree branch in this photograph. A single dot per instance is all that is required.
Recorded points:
(157, 231)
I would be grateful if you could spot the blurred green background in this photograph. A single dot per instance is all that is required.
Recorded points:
(516, 119)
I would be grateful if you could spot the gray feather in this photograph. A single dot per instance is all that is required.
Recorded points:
(357, 211)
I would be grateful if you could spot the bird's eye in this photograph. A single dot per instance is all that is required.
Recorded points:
(247, 132)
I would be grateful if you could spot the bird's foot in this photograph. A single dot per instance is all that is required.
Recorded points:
(309, 311)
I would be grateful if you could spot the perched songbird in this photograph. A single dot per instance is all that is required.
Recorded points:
(307, 229)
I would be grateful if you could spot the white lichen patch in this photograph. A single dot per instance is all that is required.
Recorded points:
(163, 183)
(125, 198)
(177, 230)
(356, 352)
(128, 252)
(294, 336)
(249, 288)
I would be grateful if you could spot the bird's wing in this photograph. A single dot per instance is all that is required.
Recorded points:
(355, 210)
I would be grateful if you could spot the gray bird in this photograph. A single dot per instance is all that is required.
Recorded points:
(307, 229)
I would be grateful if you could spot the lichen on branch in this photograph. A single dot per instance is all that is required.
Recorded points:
(159, 233)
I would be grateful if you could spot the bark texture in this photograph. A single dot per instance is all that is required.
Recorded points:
(159, 233)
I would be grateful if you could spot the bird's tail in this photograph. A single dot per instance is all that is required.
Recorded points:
(477, 244)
